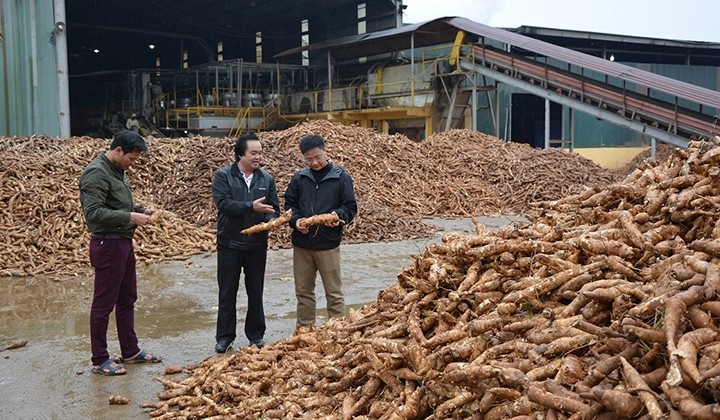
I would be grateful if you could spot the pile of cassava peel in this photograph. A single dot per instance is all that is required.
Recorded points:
(604, 306)
(398, 182)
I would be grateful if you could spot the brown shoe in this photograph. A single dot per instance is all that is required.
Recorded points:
(302, 329)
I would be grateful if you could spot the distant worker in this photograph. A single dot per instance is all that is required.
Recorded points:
(132, 123)
(322, 187)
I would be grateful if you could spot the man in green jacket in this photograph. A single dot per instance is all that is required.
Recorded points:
(111, 217)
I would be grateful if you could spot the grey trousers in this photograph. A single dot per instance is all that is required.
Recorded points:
(306, 264)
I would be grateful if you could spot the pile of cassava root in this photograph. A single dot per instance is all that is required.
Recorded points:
(604, 306)
(398, 182)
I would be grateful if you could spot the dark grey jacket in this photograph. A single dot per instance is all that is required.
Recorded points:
(234, 200)
(106, 198)
(334, 193)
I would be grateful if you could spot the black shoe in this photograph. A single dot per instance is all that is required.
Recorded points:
(257, 343)
(222, 346)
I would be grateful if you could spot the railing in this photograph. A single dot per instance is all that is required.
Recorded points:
(406, 85)
(127, 107)
(272, 113)
(410, 86)
(237, 127)
(181, 109)
(244, 123)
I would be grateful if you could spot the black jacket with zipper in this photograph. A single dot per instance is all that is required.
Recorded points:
(334, 193)
(234, 200)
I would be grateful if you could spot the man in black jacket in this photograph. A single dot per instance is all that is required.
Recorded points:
(244, 195)
(320, 188)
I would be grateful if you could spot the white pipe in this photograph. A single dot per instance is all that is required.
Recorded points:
(398, 14)
(547, 123)
(277, 70)
(240, 83)
(497, 110)
(412, 64)
(653, 148)
(61, 64)
(329, 98)
(36, 89)
(474, 102)
(572, 130)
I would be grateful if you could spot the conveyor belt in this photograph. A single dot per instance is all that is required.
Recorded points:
(668, 117)
(626, 93)
(666, 109)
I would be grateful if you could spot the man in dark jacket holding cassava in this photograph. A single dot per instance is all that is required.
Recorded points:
(244, 195)
(320, 188)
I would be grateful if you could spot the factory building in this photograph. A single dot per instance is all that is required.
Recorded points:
(222, 68)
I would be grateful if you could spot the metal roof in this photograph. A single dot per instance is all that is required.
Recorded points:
(433, 32)
(443, 30)
(648, 79)
(122, 29)
(603, 36)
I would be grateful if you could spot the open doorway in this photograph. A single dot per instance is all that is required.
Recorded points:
(528, 120)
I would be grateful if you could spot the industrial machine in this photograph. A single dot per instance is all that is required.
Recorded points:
(232, 97)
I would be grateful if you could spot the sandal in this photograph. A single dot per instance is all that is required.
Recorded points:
(109, 368)
(143, 357)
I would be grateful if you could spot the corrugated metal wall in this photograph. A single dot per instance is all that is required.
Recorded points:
(588, 130)
(28, 73)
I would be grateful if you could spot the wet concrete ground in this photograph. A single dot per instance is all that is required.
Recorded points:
(50, 377)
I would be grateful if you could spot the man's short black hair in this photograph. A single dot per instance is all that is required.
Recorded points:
(310, 142)
(129, 141)
(241, 144)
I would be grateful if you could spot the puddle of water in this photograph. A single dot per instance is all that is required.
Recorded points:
(175, 317)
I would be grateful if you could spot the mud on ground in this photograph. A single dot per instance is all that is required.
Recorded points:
(175, 314)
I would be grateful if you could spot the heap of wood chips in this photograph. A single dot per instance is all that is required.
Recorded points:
(605, 306)
(398, 182)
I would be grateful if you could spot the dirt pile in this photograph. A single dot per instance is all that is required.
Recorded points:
(605, 305)
(398, 182)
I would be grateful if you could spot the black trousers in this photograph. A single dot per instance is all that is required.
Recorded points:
(230, 264)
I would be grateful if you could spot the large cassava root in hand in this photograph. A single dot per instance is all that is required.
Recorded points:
(321, 219)
(271, 225)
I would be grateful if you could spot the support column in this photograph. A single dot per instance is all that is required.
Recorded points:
(474, 102)
(497, 110)
(330, 82)
(62, 69)
(547, 123)
(571, 113)
(653, 148)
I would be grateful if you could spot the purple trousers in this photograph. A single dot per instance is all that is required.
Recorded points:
(115, 287)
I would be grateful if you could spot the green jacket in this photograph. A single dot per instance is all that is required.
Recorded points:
(106, 198)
